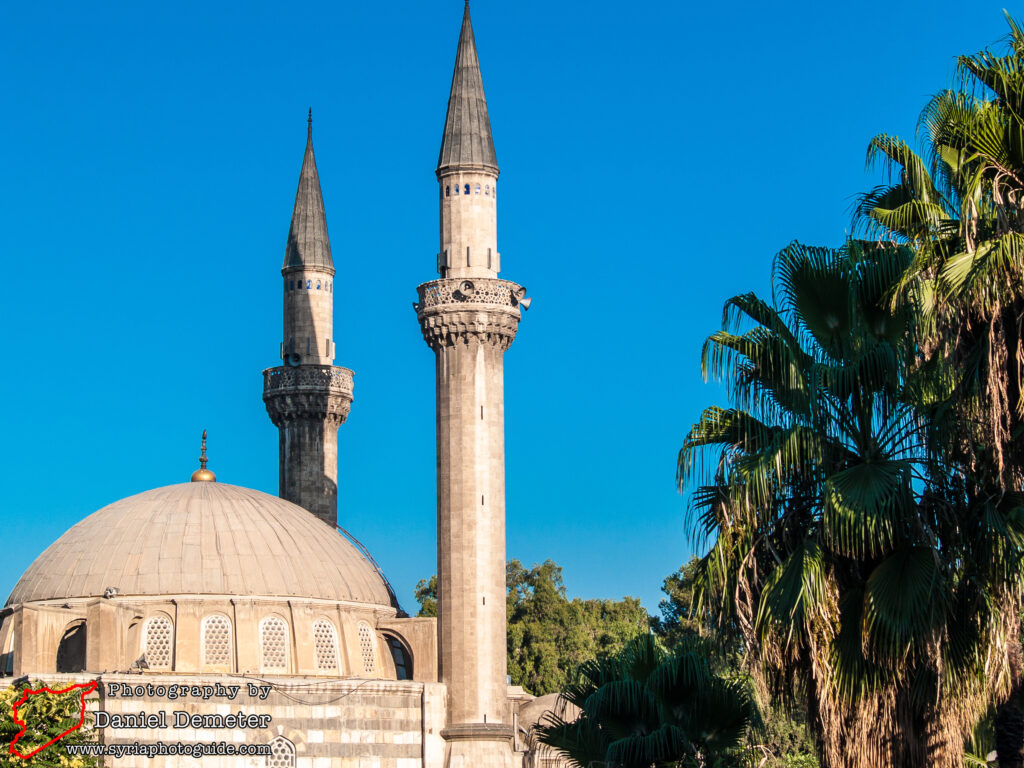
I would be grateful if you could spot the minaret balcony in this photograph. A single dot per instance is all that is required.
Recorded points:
(329, 379)
(308, 392)
(459, 310)
(463, 293)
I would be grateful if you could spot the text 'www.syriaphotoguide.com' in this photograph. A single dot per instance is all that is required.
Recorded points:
(161, 749)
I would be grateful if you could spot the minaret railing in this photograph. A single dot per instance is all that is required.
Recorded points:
(313, 378)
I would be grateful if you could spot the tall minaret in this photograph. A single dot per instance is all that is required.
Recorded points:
(308, 398)
(469, 318)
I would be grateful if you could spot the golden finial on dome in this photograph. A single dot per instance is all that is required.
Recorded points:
(203, 475)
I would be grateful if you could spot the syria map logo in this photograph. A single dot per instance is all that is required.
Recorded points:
(47, 715)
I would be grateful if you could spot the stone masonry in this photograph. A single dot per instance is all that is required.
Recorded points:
(310, 723)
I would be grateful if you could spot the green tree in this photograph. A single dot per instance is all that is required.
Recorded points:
(783, 741)
(47, 718)
(646, 707)
(855, 562)
(426, 596)
(678, 609)
(549, 635)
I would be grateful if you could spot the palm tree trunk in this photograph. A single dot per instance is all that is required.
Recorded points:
(1009, 722)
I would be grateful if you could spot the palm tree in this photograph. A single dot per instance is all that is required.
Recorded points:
(855, 560)
(649, 708)
(967, 230)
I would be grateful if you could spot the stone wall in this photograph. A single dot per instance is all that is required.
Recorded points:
(312, 723)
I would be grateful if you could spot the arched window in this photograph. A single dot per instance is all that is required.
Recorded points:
(467, 189)
(216, 641)
(367, 647)
(401, 656)
(456, 190)
(325, 646)
(487, 190)
(274, 645)
(71, 651)
(282, 753)
(309, 285)
(158, 642)
(447, 191)
(478, 189)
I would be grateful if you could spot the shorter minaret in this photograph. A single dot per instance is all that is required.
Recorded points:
(308, 397)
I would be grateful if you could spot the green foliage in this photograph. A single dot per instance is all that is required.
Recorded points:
(679, 617)
(426, 596)
(866, 567)
(961, 210)
(783, 739)
(47, 717)
(981, 744)
(550, 635)
(647, 707)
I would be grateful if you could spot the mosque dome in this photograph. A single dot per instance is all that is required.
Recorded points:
(203, 538)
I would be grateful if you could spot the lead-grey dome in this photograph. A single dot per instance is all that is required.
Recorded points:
(202, 539)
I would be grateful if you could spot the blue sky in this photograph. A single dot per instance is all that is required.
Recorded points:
(654, 158)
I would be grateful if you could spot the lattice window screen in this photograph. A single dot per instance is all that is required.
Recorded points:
(282, 754)
(216, 638)
(325, 644)
(273, 645)
(368, 648)
(158, 642)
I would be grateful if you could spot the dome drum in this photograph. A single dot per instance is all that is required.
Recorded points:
(206, 636)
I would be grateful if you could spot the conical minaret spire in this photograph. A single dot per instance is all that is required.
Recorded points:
(308, 243)
(308, 397)
(467, 143)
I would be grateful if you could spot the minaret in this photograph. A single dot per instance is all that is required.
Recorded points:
(469, 318)
(308, 397)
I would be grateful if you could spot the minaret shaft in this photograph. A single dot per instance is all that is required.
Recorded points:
(471, 530)
(469, 334)
(308, 458)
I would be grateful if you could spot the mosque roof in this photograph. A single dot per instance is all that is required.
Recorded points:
(467, 141)
(203, 538)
